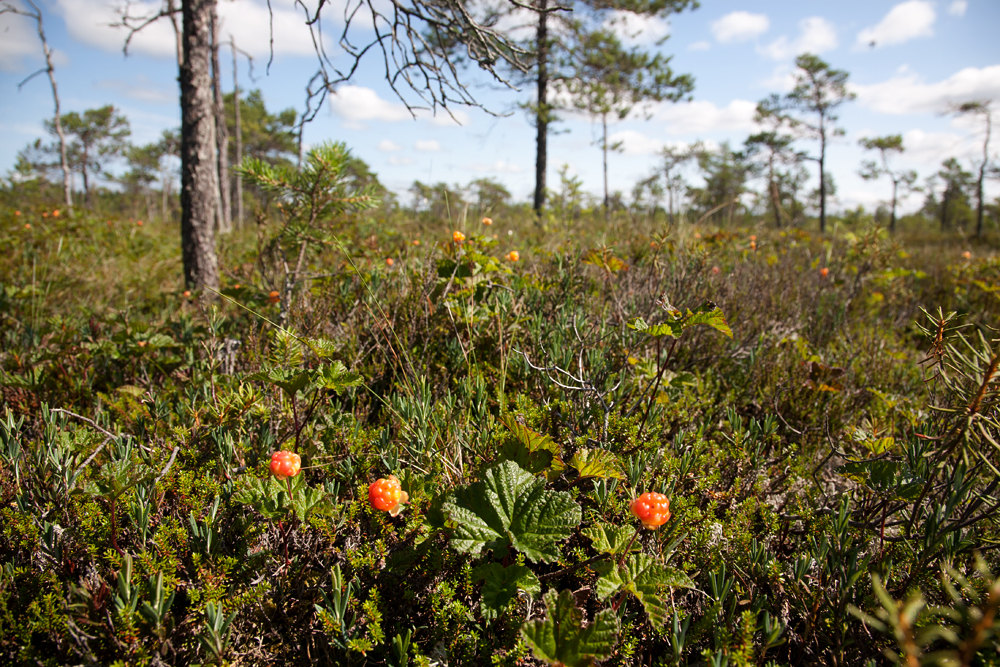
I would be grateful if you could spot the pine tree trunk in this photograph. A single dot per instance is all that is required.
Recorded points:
(604, 151)
(822, 181)
(542, 115)
(198, 165)
(238, 128)
(221, 133)
(892, 214)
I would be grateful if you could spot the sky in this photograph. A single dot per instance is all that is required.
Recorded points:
(909, 62)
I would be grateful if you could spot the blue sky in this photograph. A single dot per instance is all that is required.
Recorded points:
(927, 54)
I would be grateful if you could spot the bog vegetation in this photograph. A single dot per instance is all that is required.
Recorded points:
(455, 434)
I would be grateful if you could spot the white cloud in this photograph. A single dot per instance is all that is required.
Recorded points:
(816, 35)
(906, 21)
(498, 167)
(18, 40)
(740, 26)
(387, 146)
(400, 160)
(142, 89)
(958, 7)
(635, 29)
(519, 24)
(427, 145)
(703, 116)
(909, 94)
(635, 143)
(249, 21)
(931, 148)
(700, 46)
(356, 104)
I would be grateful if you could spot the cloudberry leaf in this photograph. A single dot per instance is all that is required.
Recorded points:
(336, 377)
(596, 463)
(510, 506)
(501, 585)
(708, 314)
(531, 450)
(561, 639)
(645, 577)
(609, 538)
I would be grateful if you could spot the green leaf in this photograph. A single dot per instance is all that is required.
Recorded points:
(288, 380)
(708, 314)
(609, 538)
(531, 450)
(501, 585)
(892, 478)
(561, 639)
(336, 377)
(645, 577)
(671, 329)
(322, 348)
(510, 506)
(596, 463)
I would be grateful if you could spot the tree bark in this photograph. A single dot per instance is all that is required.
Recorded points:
(542, 114)
(892, 214)
(239, 141)
(822, 177)
(225, 220)
(198, 164)
(982, 175)
(604, 151)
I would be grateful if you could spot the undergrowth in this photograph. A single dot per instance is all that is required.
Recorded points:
(832, 467)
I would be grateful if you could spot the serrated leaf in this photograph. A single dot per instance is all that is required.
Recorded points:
(531, 450)
(510, 506)
(596, 463)
(645, 577)
(671, 329)
(287, 380)
(336, 377)
(322, 348)
(608, 538)
(708, 314)
(561, 638)
(500, 586)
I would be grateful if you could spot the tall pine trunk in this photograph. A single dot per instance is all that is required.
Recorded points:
(221, 134)
(198, 164)
(542, 115)
(822, 179)
(604, 151)
(892, 214)
(239, 141)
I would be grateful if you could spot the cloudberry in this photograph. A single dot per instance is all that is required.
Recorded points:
(285, 464)
(653, 509)
(386, 495)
